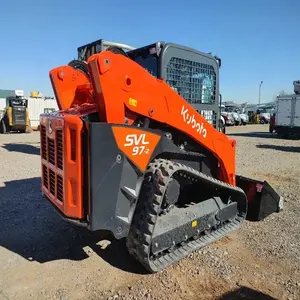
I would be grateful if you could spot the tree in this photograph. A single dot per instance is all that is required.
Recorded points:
(284, 93)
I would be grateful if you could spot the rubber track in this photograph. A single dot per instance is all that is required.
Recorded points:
(148, 206)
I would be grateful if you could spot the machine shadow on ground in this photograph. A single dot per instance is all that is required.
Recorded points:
(254, 134)
(294, 149)
(31, 228)
(245, 293)
(266, 135)
(28, 148)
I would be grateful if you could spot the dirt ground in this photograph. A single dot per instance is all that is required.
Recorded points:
(42, 257)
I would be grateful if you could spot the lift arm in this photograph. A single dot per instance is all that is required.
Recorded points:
(122, 86)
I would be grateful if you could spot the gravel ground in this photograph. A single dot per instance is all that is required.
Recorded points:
(42, 257)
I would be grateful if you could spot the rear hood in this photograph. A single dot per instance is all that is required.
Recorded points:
(235, 115)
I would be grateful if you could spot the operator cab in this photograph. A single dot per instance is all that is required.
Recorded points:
(18, 106)
(16, 102)
(191, 73)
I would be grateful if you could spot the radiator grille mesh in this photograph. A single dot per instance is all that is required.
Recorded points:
(52, 153)
(194, 81)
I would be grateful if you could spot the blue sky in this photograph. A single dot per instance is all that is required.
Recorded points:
(257, 40)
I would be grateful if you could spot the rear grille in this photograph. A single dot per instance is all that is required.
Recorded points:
(60, 188)
(19, 115)
(51, 151)
(52, 154)
(59, 149)
(45, 176)
(52, 182)
(61, 160)
(43, 142)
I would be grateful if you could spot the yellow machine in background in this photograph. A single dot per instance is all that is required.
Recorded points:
(15, 116)
(260, 113)
(35, 94)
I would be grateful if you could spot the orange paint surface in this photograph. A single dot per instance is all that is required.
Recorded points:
(138, 145)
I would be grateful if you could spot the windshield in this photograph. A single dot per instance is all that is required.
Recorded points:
(233, 109)
(18, 102)
(266, 110)
(149, 63)
(147, 58)
(229, 109)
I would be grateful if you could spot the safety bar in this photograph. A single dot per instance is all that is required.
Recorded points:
(116, 44)
(85, 51)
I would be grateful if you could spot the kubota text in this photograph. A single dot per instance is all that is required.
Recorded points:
(190, 119)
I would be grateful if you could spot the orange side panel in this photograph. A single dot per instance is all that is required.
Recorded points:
(119, 82)
(73, 203)
(138, 145)
(71, 87)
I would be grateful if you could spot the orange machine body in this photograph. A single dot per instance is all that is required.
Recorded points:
(119, 91)
(71, 87)
(127, 154)
(61, 140)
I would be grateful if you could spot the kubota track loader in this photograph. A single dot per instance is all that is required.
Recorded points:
(135, 150)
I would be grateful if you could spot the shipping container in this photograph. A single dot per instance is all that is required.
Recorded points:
(37, 106)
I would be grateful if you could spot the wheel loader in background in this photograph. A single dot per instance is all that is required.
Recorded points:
(135, 150)
(16, 116)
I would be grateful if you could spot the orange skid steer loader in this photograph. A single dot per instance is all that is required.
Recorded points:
(135, 149)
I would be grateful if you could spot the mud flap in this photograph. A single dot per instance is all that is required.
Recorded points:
(263, 200)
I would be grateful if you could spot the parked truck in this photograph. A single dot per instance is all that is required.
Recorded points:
(236, 111)
(286, 119)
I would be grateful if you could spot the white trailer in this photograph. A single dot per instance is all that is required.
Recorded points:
(37, 106)
(287, 115)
